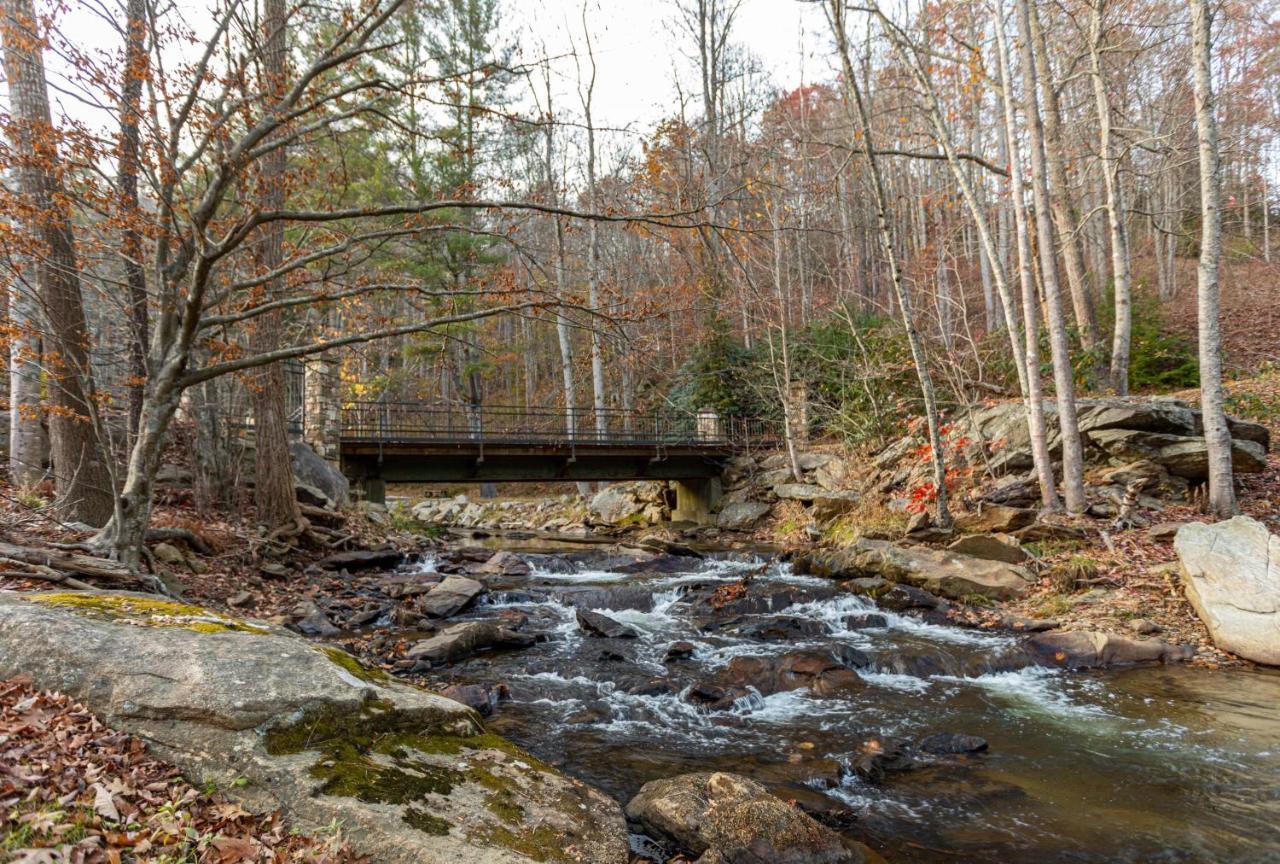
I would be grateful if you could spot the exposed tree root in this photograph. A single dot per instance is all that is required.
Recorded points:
(46, 561)
(191, 538)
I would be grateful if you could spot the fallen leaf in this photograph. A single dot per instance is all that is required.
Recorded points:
(232, 850)
(102, 803)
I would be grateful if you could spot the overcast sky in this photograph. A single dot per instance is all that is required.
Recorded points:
(640, 49)
(638, 46)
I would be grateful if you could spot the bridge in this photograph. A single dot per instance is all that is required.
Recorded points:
(421, 442)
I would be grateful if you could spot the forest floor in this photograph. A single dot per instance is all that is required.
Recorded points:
(73, 790)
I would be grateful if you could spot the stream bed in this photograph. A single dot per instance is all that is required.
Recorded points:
(1155, 764)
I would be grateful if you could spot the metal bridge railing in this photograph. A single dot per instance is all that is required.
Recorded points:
(426, 422)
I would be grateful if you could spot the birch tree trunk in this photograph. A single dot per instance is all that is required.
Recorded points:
(27, 443)
(81, 477)
(1116, 216)
(1052, 140)
(1217, 436)
(1026, 275)
(593, 254)
(1064, 385)
(835, 15)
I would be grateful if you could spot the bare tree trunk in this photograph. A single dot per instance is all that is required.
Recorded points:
(1053, 139)
(593, 252)
(835, 15)
(81, 475)
(1064, 385)
(1217, 436)
(135, 71)
(1026, 262)
(1266, 217)
(1116, 216)
(210, 458)
(782, 379)
(27, 445)
(564, 332)
(273, 469)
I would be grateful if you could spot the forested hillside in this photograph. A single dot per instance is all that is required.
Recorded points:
(930, 359)
(413, 196)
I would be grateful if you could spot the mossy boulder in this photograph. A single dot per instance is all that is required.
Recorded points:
(411, 776)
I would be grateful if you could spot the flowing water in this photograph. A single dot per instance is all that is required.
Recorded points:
(1165, 764)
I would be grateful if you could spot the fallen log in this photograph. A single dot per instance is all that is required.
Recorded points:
(85, 565)
(74, 562)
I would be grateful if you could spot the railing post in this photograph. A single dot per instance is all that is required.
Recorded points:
(708, 425)
(322, 417)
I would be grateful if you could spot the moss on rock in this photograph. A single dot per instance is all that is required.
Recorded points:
(146, 611)
(368, 674)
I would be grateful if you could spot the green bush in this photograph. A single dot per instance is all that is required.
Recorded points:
(1158, 359)
(859, 375)
(722, 374)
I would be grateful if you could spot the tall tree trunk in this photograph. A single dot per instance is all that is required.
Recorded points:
(835, 15)
(135, 72)
(273, 481)
(1217, 436)
(593, 252)
(564, 331)
(1026, 275)
(1064, 385)
(81, 476)
(27, 444)
(1116, 216)
(1054, 140)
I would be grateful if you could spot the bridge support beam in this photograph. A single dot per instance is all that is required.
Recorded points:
(375, 490)
(695, 500)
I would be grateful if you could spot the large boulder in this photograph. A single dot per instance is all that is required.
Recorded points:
(450, 596)
(622, 504)
(995, 518)
(602, 626)
(819, 672)
(411, 776)
(993, 547)
(728, 819)
(1231, 572)
(742, 515)
(311, 470)
(462, 640)
(799, 491)
(942, 572)
(1090, 649)
(362, 559)
(1180, 455)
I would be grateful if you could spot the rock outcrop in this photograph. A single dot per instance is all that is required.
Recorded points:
(942, 572)
(1231, 572)
(728, 819)
(1160, 440)
(411, 776)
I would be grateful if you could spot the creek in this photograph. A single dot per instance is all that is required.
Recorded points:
(1156, 764)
